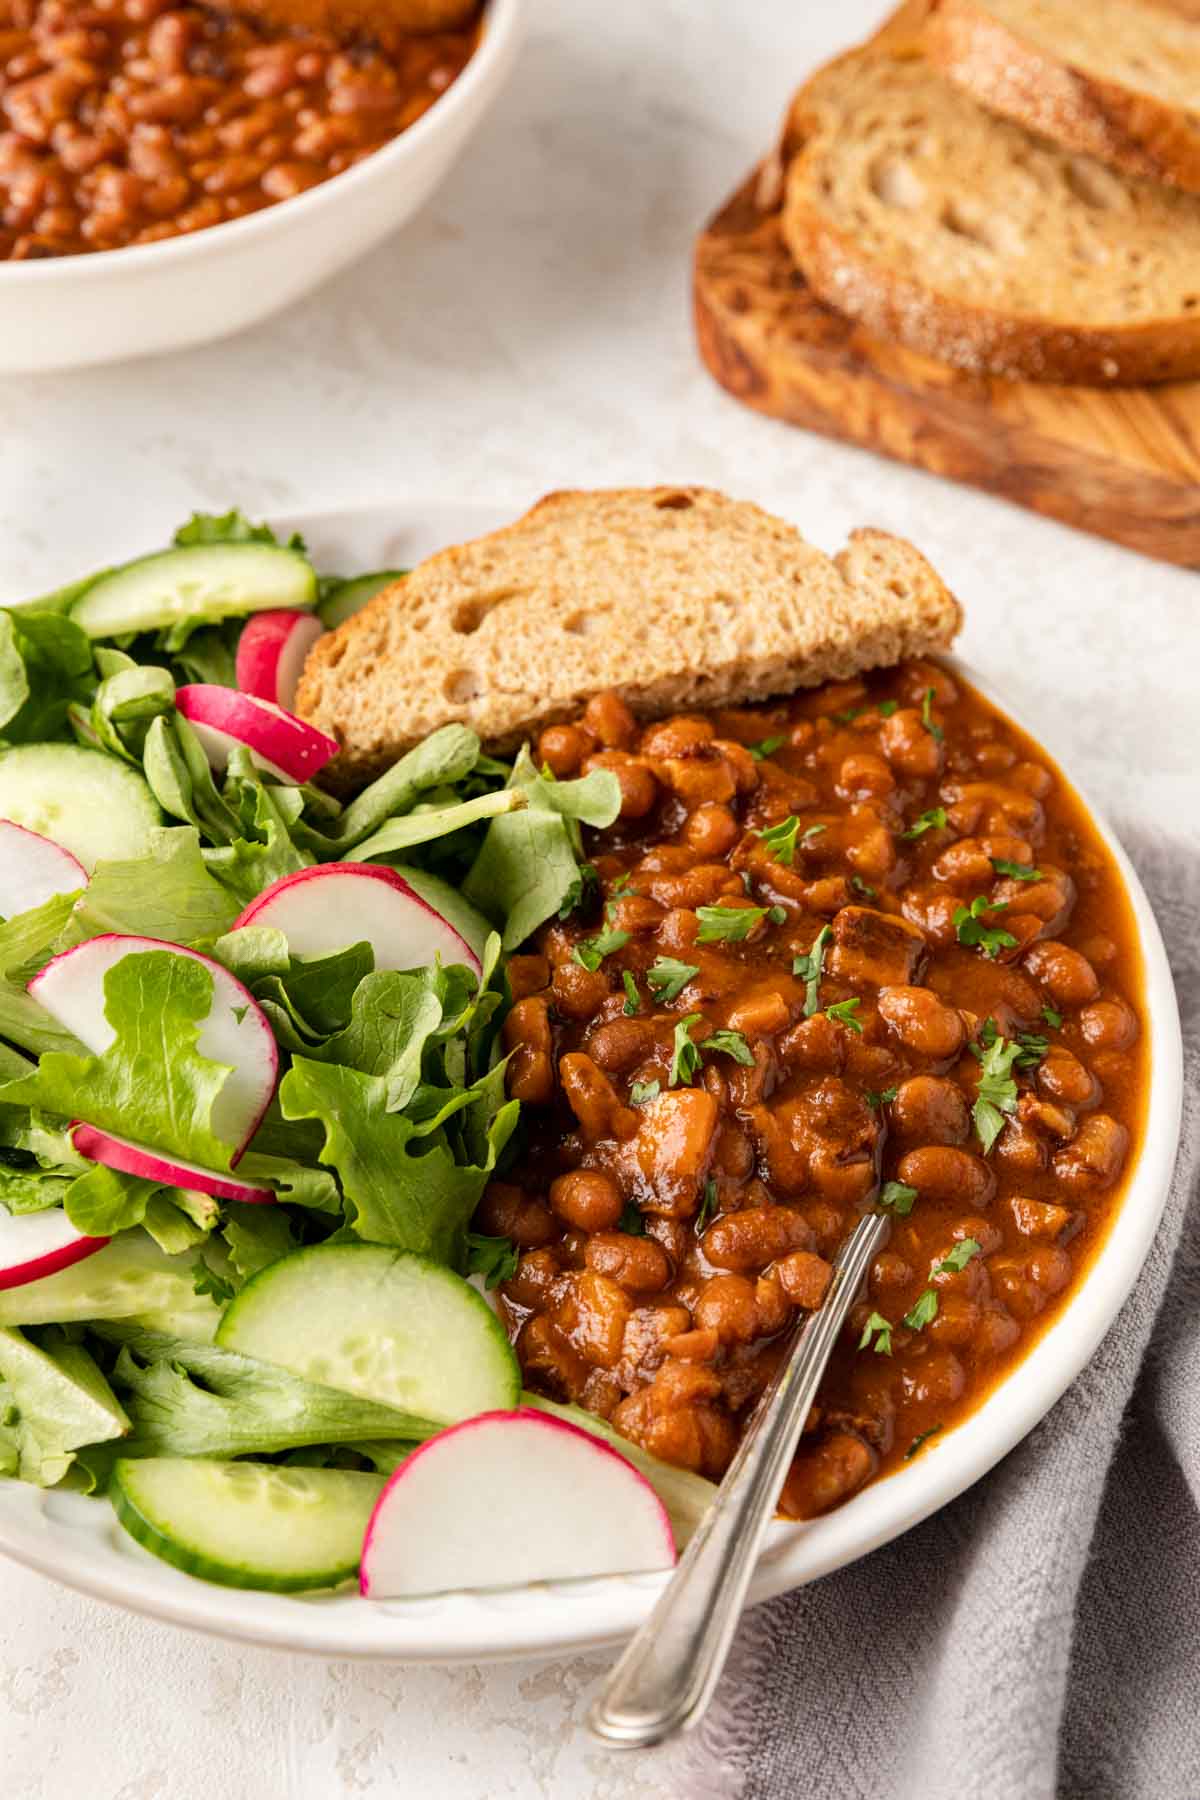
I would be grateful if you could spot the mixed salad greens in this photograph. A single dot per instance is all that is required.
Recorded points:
(244, 1123)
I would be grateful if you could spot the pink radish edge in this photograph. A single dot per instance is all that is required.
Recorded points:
(39, 837)
(296, 750)
(525, 1415)
(272, 651)
(129, 1158)
(37, 1264)
(210, 962)
(376, 872)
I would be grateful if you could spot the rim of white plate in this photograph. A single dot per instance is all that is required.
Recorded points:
(78, 1542)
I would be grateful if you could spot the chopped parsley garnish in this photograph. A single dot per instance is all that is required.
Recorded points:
(956, 1260)
(208, 1281)
(1016, 871)
(620, 886)
(706, 1205)
(923, 1310)
(591, 952)
(927, 719)
(729, 922)
(933, 820)
(1033, 1049)
(886, 708)
(777, 915)
(918, 1441)
(971, 931)
(641, 1091)
(579, 890)
(495, 1258)
(808, 967)
(728, 1043)
(848, 717)
(666, 978)
(781, 839)
(843, 1011)
(766, 747)
(880, 1097)
(898, 1196)
(997, 1093)
(862, 887)
(876, 1335)
(685, 1056)
(633, 1000)
(1052, 1018)
(631, 1221)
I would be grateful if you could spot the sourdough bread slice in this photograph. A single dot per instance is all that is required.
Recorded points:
(1114, 78)
(672, 596)
(910, 208)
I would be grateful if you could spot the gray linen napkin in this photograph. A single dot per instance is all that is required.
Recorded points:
(1041, 1636)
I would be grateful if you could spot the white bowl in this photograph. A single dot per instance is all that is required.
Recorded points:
(79, 1542)
(70, 311)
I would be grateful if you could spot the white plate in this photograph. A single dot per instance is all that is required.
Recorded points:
(78, 1541)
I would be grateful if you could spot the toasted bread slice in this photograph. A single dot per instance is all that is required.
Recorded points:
(1113, 78)
(910, 208)
(672, 596)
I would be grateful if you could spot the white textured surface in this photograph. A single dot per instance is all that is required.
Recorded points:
(530, 330)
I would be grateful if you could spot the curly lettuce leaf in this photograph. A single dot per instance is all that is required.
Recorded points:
(51, 1404)
(232, 527)
(45, 664)
(166, 893)
(151, 1084)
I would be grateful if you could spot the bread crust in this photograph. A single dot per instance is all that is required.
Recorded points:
(1129, 128)
(897, 305)
(766, 614)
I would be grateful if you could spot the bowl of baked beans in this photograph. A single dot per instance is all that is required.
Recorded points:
(171, 173)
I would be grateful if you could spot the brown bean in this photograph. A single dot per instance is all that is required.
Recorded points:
(637, 1264)
(747, 1241)
(1095, 1155)
(587, 1198)
(508, 1211)
(1109, 1025)
(922, 1022)
(610, 721)
(711, 830)
(1068, 977)
(947, 1176)
(727, 1306)
(593, 1099)
(929, 1109)
(682, 736)
(639, 789)
(806, 1278)
(562, 748)
(620, 1043)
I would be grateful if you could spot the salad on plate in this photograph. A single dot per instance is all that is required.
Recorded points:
(251, 1091)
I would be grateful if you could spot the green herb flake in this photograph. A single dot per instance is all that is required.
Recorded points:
(877, 1097)
(1033, 1049)
(707, 1205)
(863, 887)
(848, 717)
(642, 1091)
(777, 915)
(971, 931)
(495, 1258)
(731, 923)
(633, 1001)
(780, 839)
(809, 967)
(923, 1311)
(685, 1056)
(1052, 1018)
(897, 1197)
(728, 1043)
(933, 820)
(997, 1093)
(580, 890)
(766, 747)
(956, 1260)
(589, 953)
(918, 1441)
(877, 1335)
(667, 978)
(844, 1012)
(886, 708)
(1016, 871)
(927, 719)
(631, 1221)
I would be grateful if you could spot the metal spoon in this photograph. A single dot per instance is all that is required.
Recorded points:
(667, 1676)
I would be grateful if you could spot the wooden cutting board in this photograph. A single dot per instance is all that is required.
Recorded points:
(1121, 462)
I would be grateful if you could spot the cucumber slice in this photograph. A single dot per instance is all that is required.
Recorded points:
(382, 1323)
(129, 1278)
(205, 582)
(90, 803)
(247, 1524)
(351, 596)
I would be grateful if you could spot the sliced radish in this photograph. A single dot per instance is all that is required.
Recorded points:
(271, 653)
(279, 742)
(558, 1504)
(135, 1159)
(33, 869)
(236, 1032)
(37, 1244)
(326, 908)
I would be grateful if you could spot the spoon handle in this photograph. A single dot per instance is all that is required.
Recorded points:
(666, 1677)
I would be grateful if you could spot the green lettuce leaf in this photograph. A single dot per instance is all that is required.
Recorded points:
(442, 759)
(256, 1237)
(425, 824)
(189, 1399)
(528, 865)
(27, 941)
(51, 1405)
(232, 527)
(166, 893)
(45, 663)
(151, 1084)
(402, 1180)
(263, 849)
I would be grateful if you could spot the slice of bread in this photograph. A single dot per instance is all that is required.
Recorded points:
(675, 597)
(1113, 78)
(910, 208)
